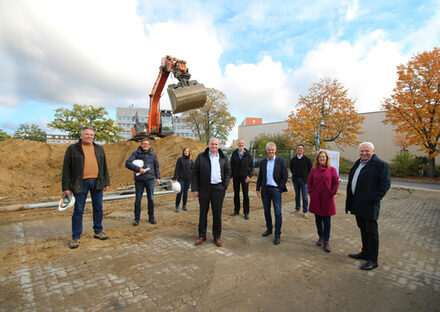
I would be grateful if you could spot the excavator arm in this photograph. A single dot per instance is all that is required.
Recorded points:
(185, 95)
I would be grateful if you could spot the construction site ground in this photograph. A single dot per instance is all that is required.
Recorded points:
(159, 268)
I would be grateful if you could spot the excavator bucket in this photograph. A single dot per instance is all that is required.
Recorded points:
(188, 97)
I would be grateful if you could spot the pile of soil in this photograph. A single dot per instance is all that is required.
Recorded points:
(31, 171)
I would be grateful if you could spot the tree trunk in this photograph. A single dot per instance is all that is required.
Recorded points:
(431, 168)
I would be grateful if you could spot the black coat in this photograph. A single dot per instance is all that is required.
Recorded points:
(150, 161)
(300, 167)
(73, 168)
(372, 184)
(183, 168)
(201, 173)
(243, 167)
(280, 174)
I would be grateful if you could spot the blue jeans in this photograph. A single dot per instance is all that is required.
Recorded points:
(274, 195)
(139, 187)
(323, 227)
(184, 186)
(80, 202)
(301, 186)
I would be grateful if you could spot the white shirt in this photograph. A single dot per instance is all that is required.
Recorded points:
(216, 173)
(269, 172)
(356, 175)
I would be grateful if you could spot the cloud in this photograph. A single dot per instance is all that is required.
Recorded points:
(258, 90)
(367, 68)
(352, 10)
(95, 52)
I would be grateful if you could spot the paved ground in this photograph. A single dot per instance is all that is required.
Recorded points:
(158, 268)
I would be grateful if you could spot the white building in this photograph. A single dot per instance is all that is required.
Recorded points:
(125, 118)
(60, 139)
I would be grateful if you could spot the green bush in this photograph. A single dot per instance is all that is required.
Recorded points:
(345, 165)
(405, 164)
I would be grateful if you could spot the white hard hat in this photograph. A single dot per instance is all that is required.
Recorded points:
(138, 162)
(66, 201)
(176, 187)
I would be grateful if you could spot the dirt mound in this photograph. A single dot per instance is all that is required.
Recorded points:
(31, 171)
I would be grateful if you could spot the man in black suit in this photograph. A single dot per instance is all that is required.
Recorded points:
(242, 169)
(272, 178)
(209, 180)
(368, 182)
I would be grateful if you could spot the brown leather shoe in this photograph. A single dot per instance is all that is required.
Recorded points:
(200, 240)
(218, 242)
(326, 246)
(320, 242)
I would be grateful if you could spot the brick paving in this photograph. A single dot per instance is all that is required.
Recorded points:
(167, 272)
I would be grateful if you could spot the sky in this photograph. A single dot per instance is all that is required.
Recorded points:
(261, 54)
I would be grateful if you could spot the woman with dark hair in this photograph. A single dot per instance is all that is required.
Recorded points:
(323, 185)
(182, 174)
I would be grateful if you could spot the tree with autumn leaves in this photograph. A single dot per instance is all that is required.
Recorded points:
(414, 106)
(326, 113)
(211, 120)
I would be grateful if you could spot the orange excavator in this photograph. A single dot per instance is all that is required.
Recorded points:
(185, 95)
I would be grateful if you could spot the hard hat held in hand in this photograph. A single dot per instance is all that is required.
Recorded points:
(176, 187)
(66, 202)
(138, 162)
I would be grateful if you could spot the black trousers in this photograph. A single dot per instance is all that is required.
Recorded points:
(370, 237)
(237, 181)
(215, 198)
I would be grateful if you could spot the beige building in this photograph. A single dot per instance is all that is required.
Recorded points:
(374, 130)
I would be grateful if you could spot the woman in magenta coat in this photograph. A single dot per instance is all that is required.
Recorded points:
(322, 185)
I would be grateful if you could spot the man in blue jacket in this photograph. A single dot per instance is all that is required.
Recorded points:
(368, 182)
(147, 178)
(272, 179)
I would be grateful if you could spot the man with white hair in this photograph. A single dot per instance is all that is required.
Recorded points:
(209, 181)
(368, 182)
(271, 183)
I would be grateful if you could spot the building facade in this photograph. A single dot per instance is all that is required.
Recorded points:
(372, 130)
(60, 139)
(125, 118)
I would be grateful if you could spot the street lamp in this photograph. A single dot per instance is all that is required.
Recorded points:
(318, 134)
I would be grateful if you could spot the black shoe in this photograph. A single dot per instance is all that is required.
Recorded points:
(276, 241)
(184, 208)
(369, 265)
(234, 214)
(360, 256)
(267, 233)
(152, 221)
(246, 216)
(136, 222)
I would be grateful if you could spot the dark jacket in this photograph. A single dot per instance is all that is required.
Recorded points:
(280, 174)
(300, 168)
(183, 168)
(372, 184)
(150, 161)
(73, 168)
(243, 167)
(201, 173)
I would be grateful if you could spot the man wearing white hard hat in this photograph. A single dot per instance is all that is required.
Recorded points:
(145, 177)
(85, 170)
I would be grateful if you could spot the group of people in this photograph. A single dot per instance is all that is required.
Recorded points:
(85, 170)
